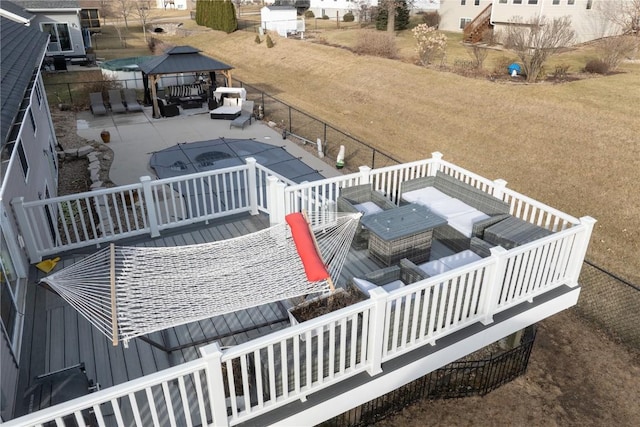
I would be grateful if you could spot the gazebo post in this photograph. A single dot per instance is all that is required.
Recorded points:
(154, 98)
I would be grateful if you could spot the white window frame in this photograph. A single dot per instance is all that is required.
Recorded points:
(24, 161)
(466, 21)
(57, 41)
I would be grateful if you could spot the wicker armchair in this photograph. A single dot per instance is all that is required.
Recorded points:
(362, 198)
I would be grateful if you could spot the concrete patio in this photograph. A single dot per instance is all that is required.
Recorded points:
(135, 136)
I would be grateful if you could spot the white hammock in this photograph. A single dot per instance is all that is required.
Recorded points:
(157, 288)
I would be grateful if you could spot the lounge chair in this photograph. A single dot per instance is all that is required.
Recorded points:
(246, 113)
(115, 100)
(130, 99)
(97, 104)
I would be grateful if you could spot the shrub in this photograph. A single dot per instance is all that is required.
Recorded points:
(348, 17)
(561, 71)
(429, 43)
(269, 41)
(501, 66)
(325, 17)
(309, 14)
(257, 39)
(432, 19)
(371, 42)
(596, 66)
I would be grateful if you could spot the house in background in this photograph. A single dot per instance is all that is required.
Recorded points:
(29, 169)
(60, 19)
(586, 16)
(171, 4)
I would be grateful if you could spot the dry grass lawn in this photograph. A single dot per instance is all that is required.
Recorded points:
(574, 146)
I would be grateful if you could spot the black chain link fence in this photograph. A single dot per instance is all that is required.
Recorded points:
(455, 380)
(611, 303)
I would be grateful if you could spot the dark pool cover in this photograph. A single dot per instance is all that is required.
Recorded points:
(194, 157)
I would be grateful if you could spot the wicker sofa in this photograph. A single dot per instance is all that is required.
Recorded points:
(178, 93)
(362, 198)
(390, 278)
(468, 211)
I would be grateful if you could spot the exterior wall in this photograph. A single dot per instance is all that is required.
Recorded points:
(330, 7)
(453, 11)
(172, 4)
(73, 21)
(41, 179)
(274, 19)
(587, 23)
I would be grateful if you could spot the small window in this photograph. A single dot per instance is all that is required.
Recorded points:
(476, 3)
(517, 1)
(463, 2)
(555, 2)
(533, 1)
(464, 22)
(503, 1)
(33, 121)
(571, 2)
(38, 94)
(589, 4)
(23, 160)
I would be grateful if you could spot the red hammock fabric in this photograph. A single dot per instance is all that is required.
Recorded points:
(313, 265)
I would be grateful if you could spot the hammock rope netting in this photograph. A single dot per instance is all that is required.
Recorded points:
(160, 287)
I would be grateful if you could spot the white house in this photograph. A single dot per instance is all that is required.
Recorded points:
(61, 20)
(29, 170)
(281, 19)
(586, 15)
(172, 4)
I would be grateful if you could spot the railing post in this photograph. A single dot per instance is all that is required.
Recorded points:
(252, 183)
(494, 283)
(212, 355)
(580, 249)
(365, 175)
(436, 157)
(275, 196)
(376, 330)
(25, 229)
(498, 188)
(150, 205)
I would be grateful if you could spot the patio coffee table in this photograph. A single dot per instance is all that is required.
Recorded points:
(403, 232)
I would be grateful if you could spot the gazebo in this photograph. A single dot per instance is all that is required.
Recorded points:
(180, 59)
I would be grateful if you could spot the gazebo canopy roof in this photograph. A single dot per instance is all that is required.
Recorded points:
(182, 59)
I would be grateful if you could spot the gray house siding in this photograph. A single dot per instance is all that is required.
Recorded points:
(29, 170)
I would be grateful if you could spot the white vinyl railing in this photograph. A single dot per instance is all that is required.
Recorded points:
(64, 223)
(235, 385)
(59, 224)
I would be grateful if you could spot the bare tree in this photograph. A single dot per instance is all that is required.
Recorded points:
(617, 24)
(535, 40)
(624, 14)
(122, 9)
(143, 10)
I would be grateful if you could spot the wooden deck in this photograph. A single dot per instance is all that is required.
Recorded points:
(58, 337)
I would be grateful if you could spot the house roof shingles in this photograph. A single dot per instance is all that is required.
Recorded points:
(182, 59)
(47, 4)
(21, 51)
(17, 10)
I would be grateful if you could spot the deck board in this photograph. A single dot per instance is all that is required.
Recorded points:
(72, 339)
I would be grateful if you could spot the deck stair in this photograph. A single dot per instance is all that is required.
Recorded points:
(473, 31)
